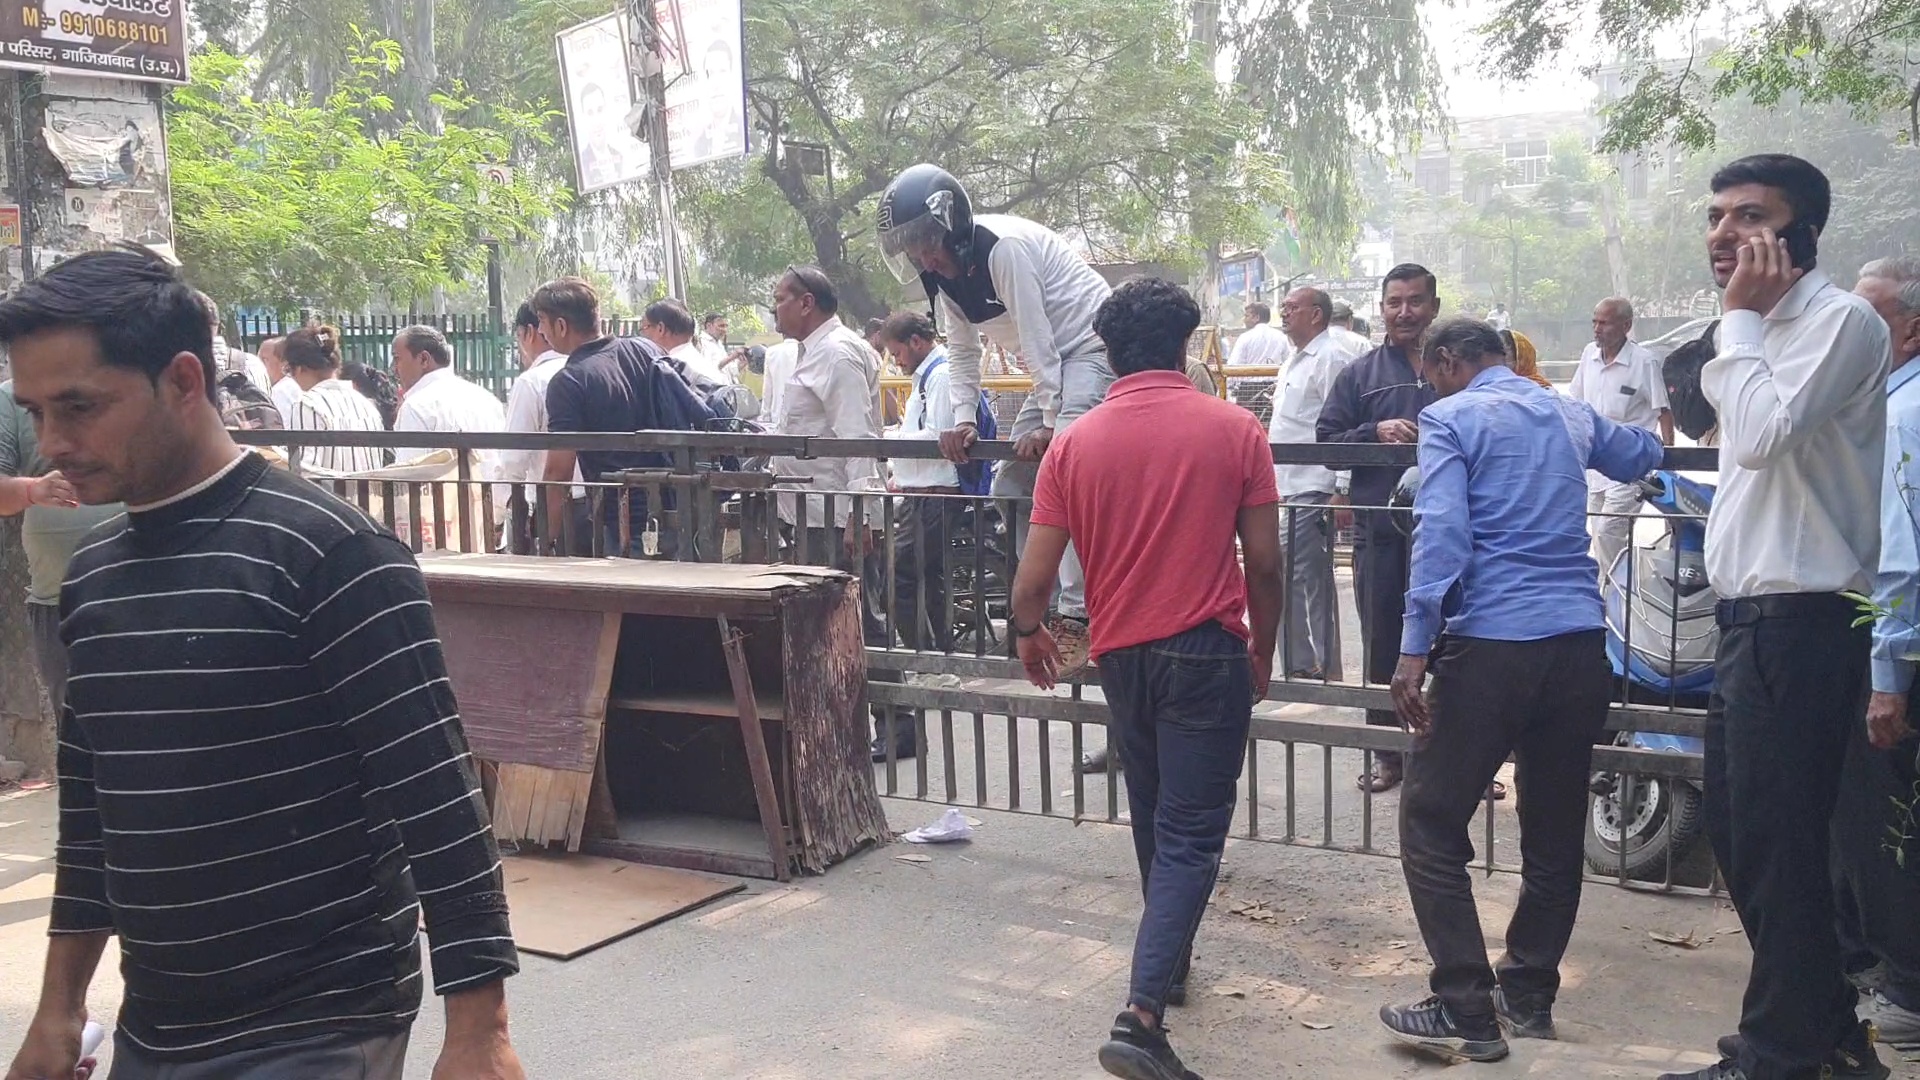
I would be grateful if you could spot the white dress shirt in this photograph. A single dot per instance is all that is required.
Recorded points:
(1630, 389)
(1896, 589)
(776, 374)
(713, 349)
(834, 392)
(286, 394)
(527, 411)
(1354, 343)
(697, 363)
(1801, 395)
(1259, 345)
(335, 405)
(1050, 294)
(930, 399)
(1299, 391)
(443, 401)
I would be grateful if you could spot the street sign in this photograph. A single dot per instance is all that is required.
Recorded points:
(124, 39)
(9, 226)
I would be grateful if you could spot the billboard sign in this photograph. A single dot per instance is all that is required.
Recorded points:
(703, 55)
(124, 39)
(599, 93)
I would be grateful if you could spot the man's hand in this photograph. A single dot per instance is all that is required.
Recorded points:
(1342, 511)
(51, 1050)
(477, 1047)
(1040, 655)
(1397, 431)
(955, 441)
(1409, 694)
(1262, 671)
(53, 490)
(1033, 445)
(1762, 274)
(1887, 725)
(859, 540)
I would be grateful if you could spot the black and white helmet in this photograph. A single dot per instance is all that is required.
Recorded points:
(924, 206)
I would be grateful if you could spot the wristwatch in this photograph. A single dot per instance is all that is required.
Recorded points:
(1013, 627)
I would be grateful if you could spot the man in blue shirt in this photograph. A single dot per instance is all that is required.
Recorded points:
(1878, 895)
(1504, 596)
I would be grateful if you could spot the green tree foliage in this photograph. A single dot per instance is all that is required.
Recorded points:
(1856, 54)
(300, 200)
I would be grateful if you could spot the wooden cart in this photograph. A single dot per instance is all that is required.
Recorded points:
(698, 715)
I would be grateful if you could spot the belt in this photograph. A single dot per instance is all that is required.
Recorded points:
(1751, 609)
(931, 491)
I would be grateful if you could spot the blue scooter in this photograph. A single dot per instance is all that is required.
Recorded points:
(1661, 639)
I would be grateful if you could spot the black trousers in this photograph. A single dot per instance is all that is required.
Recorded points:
(1878, 896)
(1790, 682)
(1544, 702)
(922, 537)
(1380, 568)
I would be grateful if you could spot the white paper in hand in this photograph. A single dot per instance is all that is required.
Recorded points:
(951, 826)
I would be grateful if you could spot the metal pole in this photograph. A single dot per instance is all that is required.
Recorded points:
(650, 85)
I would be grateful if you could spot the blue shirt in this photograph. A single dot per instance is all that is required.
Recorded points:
(1896, 588)
(1500, 548)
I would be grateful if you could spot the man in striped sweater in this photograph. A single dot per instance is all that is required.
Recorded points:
(264, 785)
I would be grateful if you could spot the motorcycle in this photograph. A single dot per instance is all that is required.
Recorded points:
(1661, 639)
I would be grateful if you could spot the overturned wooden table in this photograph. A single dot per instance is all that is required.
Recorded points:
(699, 715)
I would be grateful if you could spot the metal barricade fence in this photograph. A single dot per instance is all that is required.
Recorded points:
(984, 737)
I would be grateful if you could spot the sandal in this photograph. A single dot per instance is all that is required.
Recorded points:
(1386, 776)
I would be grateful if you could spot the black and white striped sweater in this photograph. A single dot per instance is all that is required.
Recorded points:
(263, 779)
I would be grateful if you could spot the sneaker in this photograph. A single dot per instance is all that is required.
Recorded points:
(1724, 1069)
(1134, 1051)
(1853, 1059)
(1521, 1021)
(1429, 1026)
(1893, 1025)
(1070, 634)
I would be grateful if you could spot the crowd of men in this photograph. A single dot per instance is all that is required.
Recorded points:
(1165, 561)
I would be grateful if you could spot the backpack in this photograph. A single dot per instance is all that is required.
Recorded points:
(244, 406)
(1693, 414)
(976, 477)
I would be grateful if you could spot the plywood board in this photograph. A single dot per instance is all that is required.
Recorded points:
(623, 575)
(568, 905)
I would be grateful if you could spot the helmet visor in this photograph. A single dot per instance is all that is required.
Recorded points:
(905, 246)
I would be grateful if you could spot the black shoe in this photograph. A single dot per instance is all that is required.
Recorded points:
(1523, 1021)
(1723, 1069)
(1135, 1052)
(1430, 1027)
(1854, 1058)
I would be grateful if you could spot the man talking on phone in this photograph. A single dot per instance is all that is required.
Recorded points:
(1800, 386)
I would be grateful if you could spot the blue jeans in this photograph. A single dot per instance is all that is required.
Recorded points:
(1181, 707)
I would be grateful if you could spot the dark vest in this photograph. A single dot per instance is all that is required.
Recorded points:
(974, 295)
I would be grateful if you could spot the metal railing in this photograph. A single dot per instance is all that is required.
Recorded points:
(984, 737)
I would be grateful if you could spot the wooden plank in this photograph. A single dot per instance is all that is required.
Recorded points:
(512, 794)
(565, 906)
(568, 789)
(718, 704)
(540, 791)
(520, 712)
(764, 794)
(594, 784)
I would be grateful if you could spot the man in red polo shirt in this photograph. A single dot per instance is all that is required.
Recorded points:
(1154, 520)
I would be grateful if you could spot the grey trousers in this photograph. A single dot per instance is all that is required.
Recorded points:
(1311, 639)
(1083, 384)
(346, 1056)
(49, 653)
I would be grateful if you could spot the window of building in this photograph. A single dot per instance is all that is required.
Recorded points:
(1528, 161)
(1433, 175)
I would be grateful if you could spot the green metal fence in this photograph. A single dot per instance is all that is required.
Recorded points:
(483, 350)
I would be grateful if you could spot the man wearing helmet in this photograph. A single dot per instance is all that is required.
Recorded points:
(1029, 292)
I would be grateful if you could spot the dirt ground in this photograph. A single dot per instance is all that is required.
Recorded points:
(1007, 957)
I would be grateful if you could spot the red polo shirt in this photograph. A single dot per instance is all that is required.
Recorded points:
(1149, 485)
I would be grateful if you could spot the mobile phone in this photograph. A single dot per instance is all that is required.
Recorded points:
(1801, 246)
